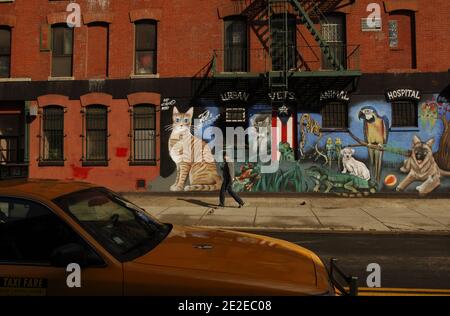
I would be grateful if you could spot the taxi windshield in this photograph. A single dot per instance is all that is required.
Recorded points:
(124, 229)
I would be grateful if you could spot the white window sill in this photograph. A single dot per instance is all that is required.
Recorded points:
(14, 79)
(60, 78)
(149, 76)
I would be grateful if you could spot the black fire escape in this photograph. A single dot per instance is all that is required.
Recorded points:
(309, 69)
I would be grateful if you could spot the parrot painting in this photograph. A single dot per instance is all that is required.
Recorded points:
(376, 132)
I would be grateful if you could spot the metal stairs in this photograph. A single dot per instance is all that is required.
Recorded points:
(306, 20)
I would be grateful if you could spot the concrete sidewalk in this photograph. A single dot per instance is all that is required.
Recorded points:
(301, 214)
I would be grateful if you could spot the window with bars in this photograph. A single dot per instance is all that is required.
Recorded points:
(335, 115)
(144, 134)
(5, 51)
(235, 115)
(145, 47)
(96, 120)
(404, 114)
(333, 30)
(53, 134)
(62, 50)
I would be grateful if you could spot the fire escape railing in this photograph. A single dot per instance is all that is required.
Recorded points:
(260, 13)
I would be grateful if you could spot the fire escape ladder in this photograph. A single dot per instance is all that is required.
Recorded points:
(305, 19)
(279, 47)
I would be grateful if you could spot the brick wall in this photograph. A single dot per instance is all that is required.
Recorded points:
(189, 31)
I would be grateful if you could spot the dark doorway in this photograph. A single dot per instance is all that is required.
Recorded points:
(12, 141)
(284, 42)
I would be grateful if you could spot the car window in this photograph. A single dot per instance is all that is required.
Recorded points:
(30, 232)
(124, 229)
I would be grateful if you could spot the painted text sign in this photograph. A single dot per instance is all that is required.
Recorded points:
(403, 94)
(334, 95)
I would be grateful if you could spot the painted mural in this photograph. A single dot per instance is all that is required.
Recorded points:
(369, 157)
(372, 156)
(192, 155)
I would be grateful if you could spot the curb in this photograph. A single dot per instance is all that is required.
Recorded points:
(327, 231)
(294, 195)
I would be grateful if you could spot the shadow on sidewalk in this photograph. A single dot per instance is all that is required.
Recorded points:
(198, 202)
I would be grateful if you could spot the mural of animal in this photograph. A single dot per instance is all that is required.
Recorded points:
(421, 166)
(376, 132)
(353, 166)
(192, 156)
(330, 149)
(262, 124)
(250, 174)
(287, 153)
(338, 148)
(310, 126)
(342, 184)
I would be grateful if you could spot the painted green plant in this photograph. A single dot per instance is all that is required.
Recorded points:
(292, 179)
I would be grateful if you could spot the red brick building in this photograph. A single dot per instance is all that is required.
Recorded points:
(95, 102)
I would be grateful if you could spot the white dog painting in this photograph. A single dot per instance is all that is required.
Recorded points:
(353, 166)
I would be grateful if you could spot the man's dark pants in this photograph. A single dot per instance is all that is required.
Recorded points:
(227, 187)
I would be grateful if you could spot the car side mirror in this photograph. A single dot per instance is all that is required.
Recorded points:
(67, 254)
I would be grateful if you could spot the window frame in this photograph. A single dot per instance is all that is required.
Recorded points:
(137, 50)
(334, 30)
(229, 47)
(133, 129)
(53, 55)
(84, 242)
(278, 18)
(9, 56)
(393, 33)
(42, 160)
(86, 161)
(404, 115)
(344, 109)
(235, 110)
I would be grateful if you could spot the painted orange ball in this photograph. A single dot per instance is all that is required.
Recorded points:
(390, 180)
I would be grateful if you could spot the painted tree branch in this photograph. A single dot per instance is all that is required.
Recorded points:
(362, 143)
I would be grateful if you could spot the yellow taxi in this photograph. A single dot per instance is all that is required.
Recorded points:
(48, 228)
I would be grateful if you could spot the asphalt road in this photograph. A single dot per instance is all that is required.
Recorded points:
(406, 261)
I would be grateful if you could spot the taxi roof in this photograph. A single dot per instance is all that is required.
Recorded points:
(46, 189)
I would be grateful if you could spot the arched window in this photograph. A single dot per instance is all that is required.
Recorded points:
(143, 134)
(52, 135)
(145, 47)
(96, 137)
(235, 44)
(5, 51)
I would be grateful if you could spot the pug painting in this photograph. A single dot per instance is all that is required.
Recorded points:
(421, 166)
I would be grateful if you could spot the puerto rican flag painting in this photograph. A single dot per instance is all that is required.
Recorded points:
(282, 131)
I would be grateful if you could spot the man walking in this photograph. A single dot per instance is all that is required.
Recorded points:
(227, 184)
